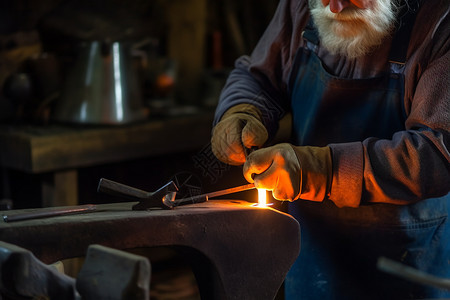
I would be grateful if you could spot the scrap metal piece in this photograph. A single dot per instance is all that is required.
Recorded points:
(23, 275)
(114, 275)
(49, 212)
(146, 199)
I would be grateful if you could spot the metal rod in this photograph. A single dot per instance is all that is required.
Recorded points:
(409, 273)
(204, 197)
(231, 190)
(189, 200)
(45, 213)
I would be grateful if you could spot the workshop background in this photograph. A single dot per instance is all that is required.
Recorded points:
(181, 53)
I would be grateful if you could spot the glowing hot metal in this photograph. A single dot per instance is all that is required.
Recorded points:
(262, 197)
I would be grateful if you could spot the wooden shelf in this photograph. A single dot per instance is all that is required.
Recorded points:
(62, 150)
(44, 149)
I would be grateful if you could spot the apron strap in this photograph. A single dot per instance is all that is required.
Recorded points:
(310, 32)
(311, 35)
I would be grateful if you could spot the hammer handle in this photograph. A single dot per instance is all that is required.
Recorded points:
(121, 190)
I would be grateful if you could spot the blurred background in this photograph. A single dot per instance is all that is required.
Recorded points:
(177, 56)
(124, 90)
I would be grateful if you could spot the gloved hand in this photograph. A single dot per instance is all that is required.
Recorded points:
(291, 172)
(239, 127)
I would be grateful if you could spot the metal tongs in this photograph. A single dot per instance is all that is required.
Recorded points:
(161, 198)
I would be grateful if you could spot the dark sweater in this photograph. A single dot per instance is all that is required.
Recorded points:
(414, 164)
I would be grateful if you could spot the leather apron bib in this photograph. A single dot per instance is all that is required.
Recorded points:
(340, 246)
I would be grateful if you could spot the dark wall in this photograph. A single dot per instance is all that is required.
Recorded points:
(29, 28)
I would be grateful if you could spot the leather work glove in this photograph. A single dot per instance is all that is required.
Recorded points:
(291, 172)
(239, 128)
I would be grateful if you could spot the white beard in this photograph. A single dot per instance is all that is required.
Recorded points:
(353, 32)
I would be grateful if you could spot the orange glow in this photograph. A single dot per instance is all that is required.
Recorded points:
(262, 197)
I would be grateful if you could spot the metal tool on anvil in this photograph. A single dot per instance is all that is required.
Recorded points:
(49, 212)
(162, 198)
(205, 197)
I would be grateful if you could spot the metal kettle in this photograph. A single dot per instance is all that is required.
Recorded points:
(101, 88)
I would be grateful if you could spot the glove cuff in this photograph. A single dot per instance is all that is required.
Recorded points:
(243, 108)
(316, 172)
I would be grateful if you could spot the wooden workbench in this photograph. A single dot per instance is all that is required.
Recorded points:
(62, 150)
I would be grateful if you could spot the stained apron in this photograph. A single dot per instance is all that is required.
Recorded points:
(340, 246)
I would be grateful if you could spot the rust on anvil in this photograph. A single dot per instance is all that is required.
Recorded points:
(226, 242)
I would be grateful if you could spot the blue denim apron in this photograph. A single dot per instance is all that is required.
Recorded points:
(340, 246)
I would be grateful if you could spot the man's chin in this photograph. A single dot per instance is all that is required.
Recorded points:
(348, 49)
(350, 39)
(346, 30)
(351, 46)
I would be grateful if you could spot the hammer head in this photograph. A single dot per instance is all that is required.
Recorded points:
(161, 198)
